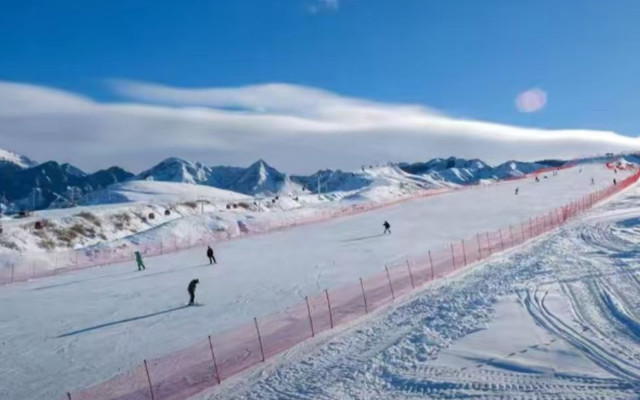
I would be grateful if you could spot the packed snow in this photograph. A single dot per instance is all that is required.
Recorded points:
(71, 331)
(558, 318)
(161, 193)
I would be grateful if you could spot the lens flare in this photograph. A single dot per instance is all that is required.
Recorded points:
(531, 100)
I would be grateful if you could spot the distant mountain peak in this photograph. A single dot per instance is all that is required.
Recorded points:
(10, 157)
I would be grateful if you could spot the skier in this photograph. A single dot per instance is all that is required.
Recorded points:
(615, 182)
(212, 258)
(139, 261)
(537, 179)
(192, 290)
(387, 228)
(593, 182)
(517, 190)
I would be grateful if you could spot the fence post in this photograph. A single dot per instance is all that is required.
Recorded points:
(479, 247)
(522, 231)
(453, 257)
(488, 243)
(215, 364)
(464, 253)
(326, 291)
(431, 264)
(255, 320)
(13, 267)
(548, 216)
(410, 275)
(393, 297)
(538, 229)
(530, 227)
(511, 236)
(364, 297)
(501, 241)
(306, 298)
(146, 368)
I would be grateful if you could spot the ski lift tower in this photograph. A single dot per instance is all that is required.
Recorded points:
(201, 201)
(259, 198)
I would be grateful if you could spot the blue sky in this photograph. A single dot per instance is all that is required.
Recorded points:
(466, 58)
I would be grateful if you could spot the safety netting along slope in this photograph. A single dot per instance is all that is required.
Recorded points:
(219, 356)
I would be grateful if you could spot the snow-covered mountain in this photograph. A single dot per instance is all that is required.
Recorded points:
(26, 184)
(461, 171)
(10, 158)
(258, 178)
(513, 169)
(177, 170)
(328, 180)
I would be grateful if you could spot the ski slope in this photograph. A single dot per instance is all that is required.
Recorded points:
(71, 331)
(559, 318)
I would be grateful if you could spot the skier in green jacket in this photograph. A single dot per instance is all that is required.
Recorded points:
(139, 261)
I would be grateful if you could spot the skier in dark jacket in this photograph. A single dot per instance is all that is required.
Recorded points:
(139, 261)
(517, 190)
(387, 228)
(192, 290)
(212, 257)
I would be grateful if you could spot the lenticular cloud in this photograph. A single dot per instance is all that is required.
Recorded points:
(300, 129)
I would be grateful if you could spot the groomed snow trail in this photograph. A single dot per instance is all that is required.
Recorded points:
(72, 331)
(558, 319)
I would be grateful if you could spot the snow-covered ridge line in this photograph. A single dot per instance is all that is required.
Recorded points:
(243, 348)
(17, 269)
(119, 249)
(31, 186)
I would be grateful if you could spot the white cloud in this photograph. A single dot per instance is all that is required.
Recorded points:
(320, 5)
(334, 4)
(297, 128)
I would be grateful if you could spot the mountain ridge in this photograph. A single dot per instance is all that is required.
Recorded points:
(29, 185)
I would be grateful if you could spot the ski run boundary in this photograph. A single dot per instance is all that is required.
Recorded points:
(26, 269)
(217, 357)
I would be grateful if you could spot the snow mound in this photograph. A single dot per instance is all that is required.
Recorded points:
(161, 192)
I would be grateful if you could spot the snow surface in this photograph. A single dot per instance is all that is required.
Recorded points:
(66, 332)
(558, 318)
(161, 193)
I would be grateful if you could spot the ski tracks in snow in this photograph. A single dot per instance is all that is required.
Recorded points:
(580, 285)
